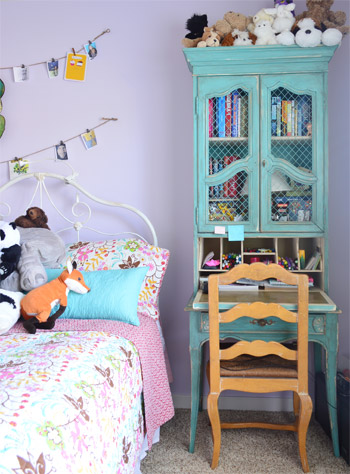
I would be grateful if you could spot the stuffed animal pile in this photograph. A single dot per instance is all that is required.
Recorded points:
(25, 250)
(269, 26)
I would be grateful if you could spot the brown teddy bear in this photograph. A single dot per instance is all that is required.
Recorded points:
(232, 21)
(35, 217)
(319, 11)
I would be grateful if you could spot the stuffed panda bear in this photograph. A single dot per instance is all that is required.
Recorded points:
(10, 249)
(10, 308)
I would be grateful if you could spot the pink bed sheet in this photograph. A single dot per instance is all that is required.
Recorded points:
(159, 406)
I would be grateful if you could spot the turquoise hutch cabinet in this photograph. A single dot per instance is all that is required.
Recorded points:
(261, 163)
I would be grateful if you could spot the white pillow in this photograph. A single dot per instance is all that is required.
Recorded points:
(10, 309)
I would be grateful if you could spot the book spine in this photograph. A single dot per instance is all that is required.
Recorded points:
(211, 117)
(239, 117)
(228, 114)
(230, 186)
(211, 188)
(299, 118)
(220, 186)
(284, 117)
(293, 118)
(278, 115)
(234, 132)
(289, 118)
(273, 116)
(215, 169)
(221, 116)
(215, 117)
(244, 116)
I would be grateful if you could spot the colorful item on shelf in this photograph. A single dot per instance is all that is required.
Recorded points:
(212, 264)
(288, 263)
(225, 210)
(229, 260)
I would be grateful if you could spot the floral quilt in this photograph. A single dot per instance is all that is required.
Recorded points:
(70, 402)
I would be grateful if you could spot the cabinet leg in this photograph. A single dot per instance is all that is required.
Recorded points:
(318, 357)
(196, 358)
(331, 384)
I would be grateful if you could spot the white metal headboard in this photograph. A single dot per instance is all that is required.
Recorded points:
(77, 224)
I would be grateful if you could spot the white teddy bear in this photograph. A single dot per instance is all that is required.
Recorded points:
(283, 17)
(264, 33)
(261, 15)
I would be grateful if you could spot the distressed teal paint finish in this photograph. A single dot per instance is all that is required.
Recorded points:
(259, 71)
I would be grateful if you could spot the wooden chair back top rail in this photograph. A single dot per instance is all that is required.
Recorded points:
(258, 310)
(258, 272)
(257, 349)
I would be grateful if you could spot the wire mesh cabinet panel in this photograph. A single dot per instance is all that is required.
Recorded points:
(292, 144)
(228, 152)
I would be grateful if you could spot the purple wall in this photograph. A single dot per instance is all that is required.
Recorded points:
(145, 159)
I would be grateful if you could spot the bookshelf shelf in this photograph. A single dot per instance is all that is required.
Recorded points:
(228, 139)
(292, 139)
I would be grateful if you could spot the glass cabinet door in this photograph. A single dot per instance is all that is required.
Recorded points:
(227, 152)
(291, 153)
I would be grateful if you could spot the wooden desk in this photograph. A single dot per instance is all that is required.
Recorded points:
(323, 329)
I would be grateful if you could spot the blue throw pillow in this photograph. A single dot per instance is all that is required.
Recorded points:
(113, 295)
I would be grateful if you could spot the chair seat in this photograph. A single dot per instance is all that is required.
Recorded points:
(250, 366)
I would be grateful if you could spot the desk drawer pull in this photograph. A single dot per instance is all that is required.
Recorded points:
(262, 322)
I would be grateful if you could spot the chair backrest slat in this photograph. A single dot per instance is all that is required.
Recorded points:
(258, 349)
(258, 310)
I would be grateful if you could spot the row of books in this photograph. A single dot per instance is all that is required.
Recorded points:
(228, 115)
(314, 260)
(291, 118)
(229, 188)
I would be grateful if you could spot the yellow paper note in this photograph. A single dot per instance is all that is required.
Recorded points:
(75, 67)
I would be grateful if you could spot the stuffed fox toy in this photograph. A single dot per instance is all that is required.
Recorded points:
(36, 306)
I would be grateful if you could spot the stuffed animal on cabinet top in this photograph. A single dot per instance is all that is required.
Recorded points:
(34, 217)
(210, 38)
(195, 25)
(232, 21)
(283, 17)
(324, 18)
(10, 249)
(261, 15)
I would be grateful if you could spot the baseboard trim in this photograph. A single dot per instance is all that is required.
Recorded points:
(241, 403)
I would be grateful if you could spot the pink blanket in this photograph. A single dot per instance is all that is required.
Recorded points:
(159, 406)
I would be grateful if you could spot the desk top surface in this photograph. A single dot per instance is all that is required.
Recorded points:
(319, 301)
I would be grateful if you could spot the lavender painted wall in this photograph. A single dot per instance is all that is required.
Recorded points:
(145, 159)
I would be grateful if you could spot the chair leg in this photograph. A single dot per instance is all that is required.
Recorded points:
(303, 424)
(214, 417)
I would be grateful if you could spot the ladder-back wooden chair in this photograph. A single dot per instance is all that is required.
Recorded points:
(258, 366)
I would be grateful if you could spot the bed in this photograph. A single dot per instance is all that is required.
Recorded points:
(89, 395)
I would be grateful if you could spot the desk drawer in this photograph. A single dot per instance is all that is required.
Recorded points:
(268, 326)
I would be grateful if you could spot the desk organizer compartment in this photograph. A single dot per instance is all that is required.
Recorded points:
(294, 253)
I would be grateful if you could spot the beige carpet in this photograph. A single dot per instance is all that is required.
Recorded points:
(242, 451)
